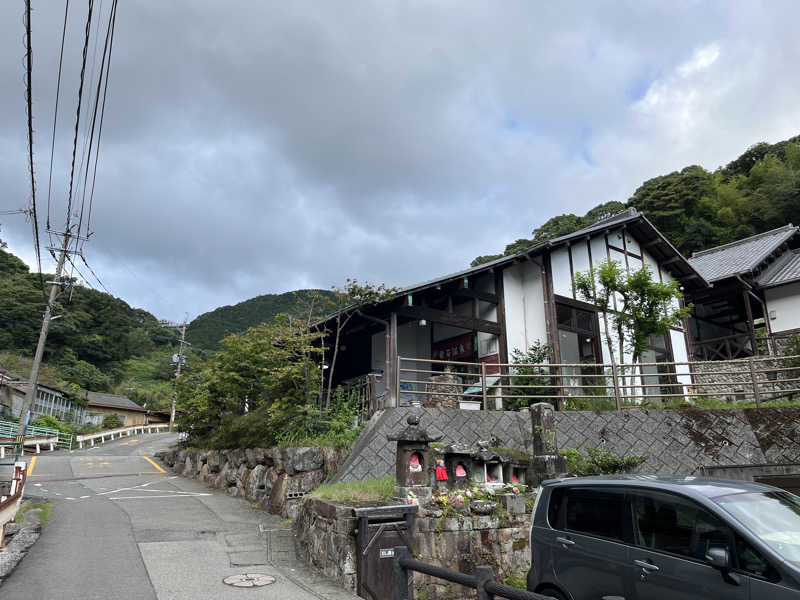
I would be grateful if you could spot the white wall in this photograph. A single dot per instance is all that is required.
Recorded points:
(524, 305)
(785, 301)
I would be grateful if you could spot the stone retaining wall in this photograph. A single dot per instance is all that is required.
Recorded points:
(735, 384)
(325, 539)
(274, 478)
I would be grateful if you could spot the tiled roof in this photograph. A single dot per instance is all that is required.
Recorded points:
(113, 401)
(784, 270)
(741, 256)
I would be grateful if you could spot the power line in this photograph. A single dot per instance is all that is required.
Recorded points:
(55, 112)
(102, 115)
(106, 53)
(78, 114)
(29, 104)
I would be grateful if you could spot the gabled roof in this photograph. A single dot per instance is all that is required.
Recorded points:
(742, 256)
(113, 401)
(631, 218)
(784, 270)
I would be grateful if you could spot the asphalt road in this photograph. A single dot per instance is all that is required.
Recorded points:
(122, 527)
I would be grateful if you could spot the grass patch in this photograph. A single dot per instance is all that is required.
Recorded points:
(517, 579)
(369, 490)
(44, 512)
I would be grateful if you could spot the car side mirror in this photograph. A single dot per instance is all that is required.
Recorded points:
(718, 558)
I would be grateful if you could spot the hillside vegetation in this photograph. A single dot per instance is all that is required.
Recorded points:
(98, 343)
(697, 209)
(210, 328)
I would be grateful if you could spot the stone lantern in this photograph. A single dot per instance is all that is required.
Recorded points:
(413, 460)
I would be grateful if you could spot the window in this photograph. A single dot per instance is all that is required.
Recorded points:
(751, 562)
(595, 512)
(578, 344)
(670, 524)
(555, 512)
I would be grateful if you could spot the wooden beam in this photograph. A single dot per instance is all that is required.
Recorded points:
(669, 261)
(470, 293)
(502, 340)
(653, 242)
(446, 318)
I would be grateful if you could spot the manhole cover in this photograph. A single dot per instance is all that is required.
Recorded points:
(249, 580)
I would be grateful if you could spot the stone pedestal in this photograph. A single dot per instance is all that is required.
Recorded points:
(546, 463)
(445, 390)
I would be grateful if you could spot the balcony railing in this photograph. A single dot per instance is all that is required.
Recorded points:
(597, 385)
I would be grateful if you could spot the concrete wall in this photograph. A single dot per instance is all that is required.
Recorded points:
(524, 305)
(131, 417)
(677, 442)
(785, 301)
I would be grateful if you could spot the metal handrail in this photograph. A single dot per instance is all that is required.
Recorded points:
(483, 580)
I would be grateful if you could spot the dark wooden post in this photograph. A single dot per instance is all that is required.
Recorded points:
(483, 575)
(393, 376)
(750, 325)
(400, 575)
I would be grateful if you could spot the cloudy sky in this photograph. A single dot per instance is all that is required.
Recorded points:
(259, 147)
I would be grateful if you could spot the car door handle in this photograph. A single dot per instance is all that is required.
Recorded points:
(564, 541)
(647, 566)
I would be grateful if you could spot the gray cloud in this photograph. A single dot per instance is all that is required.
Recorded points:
(259, 147)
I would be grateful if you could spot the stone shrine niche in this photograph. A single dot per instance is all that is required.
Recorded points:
(493, 473)
(414, 461)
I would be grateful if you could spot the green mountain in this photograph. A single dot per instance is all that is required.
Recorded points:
(697, 209)
(94, 343)
(209, 328)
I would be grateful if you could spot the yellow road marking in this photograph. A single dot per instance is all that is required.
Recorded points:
(148, 459)
(32, 465)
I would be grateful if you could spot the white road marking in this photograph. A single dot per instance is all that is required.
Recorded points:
(149, 497)
(128, 488)
(68, 498)
(38, 484)
(82, 497)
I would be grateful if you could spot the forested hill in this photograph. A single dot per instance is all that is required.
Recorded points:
(209, 328)
(697, 209)
(92, 342)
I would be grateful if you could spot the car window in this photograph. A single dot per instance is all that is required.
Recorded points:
(555, 511)
(671, 524)
(751, 562)
(595, 512)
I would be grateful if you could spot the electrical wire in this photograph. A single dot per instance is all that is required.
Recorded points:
(29, 104)
(102, 115)
(95, 275)
(78, 115)
(55, 113)
(106, 52)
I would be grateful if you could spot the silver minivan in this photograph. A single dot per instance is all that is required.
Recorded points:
(637, 537)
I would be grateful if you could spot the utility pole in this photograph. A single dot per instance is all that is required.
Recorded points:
(55, 290)
(177, 376)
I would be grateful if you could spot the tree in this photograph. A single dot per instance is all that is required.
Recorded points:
(527, 375)
(255, 387)
(347, 301)
(645, 308)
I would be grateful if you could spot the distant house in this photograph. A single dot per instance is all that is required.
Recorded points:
(100, 405)
(483, 314)
(53, 401)
(753, 301)
(49, 400)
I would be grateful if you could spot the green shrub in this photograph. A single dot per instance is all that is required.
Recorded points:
(50, 422)
(598, 461)
(111, 421)
(538, 353)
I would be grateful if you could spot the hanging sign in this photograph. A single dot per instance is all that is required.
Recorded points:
(455, 348)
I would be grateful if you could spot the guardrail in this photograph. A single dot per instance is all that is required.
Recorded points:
(9, 504)
(483, 580)
(9, 429)
(119, 432)
(31, 442)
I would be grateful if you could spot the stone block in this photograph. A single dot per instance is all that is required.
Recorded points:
(513, 503)
(214, 461)
(302, 459)
(307, 481)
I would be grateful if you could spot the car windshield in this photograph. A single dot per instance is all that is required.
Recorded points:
(772, 516)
